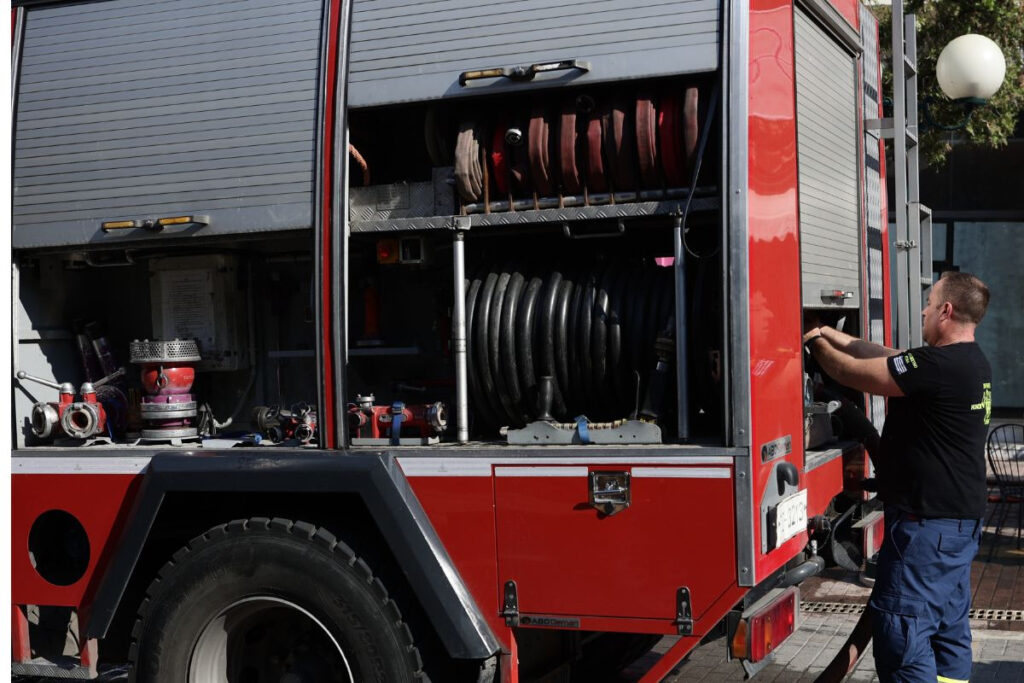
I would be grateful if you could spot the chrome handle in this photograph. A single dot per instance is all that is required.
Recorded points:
(116, 374)
(525, 72)
(609, 491)
(22, 375)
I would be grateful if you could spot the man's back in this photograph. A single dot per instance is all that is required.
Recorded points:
(933, 443)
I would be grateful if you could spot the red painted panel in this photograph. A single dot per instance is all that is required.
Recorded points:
(567, 559)
(850, 9)
(327, 414)
(822, 484)
(461, 509)
(21, 649)
(873, 537)
(775, 310)
(98, 501)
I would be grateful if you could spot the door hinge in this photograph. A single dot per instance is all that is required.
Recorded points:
(510, 609)
(684, 612)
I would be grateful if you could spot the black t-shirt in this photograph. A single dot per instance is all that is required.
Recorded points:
(933, 442)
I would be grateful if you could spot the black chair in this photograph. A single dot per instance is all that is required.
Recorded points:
(1006, 458)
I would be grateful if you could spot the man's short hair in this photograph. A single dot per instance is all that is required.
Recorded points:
(967, 293)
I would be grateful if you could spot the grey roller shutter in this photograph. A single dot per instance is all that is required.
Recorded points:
(133, 109)
(408, 51)
(826, 114)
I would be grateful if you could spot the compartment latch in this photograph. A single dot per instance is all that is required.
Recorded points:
(609, 491)
(510, 609)
(684, 612)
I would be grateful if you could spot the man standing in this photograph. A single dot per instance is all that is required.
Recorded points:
(932, 482)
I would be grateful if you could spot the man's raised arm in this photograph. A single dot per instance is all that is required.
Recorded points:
(853, 346)
(869, 374)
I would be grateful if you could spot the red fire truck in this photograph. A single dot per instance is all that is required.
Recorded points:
(449, 340)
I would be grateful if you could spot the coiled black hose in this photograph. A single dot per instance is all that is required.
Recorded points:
(591, 328)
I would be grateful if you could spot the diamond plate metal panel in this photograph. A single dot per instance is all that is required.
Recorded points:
(512, 218)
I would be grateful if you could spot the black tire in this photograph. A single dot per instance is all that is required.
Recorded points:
(294, 585)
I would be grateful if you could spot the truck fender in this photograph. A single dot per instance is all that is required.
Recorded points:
(376, 478)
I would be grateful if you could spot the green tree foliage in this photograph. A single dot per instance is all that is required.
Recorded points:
(938, 22)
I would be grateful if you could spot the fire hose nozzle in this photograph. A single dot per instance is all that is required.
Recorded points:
(437, 416)
(44, 419)
(81, 420)
(303, 432)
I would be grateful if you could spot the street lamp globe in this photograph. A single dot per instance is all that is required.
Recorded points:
(970, 68)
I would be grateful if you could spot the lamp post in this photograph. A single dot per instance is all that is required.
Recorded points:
(970, 70)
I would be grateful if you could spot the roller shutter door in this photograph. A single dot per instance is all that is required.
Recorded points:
(131, 109)
(409, 51)
(826, 113)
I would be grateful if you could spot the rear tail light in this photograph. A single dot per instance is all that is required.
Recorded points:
(761, 630)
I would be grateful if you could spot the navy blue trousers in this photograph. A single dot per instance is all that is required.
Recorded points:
(921, 599)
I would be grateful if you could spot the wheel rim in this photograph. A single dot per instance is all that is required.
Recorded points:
(267, 640)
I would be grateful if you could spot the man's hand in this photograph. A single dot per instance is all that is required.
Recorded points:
(833, 353)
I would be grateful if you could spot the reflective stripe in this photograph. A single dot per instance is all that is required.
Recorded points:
(444, 467)
(96, 464)
(540, 471)
(480, 466)
(943, 679)
(682, 472)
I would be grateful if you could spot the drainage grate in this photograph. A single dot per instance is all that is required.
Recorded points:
(831, 607)
(855, 608)
(998, 614)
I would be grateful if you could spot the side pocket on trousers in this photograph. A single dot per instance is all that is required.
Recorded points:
(902, 536)
(895, 629)
(955, 544)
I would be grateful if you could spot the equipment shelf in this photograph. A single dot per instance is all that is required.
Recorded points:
(565, 214)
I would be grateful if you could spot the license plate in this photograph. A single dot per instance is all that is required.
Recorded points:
(790, 517)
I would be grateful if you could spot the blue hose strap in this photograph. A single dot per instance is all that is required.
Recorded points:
(581, 428)
(398, 414)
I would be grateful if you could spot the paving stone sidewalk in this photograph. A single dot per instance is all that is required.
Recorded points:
(997, 583)
(998, 656)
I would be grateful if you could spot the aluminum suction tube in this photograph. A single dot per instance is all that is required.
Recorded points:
(459, 339)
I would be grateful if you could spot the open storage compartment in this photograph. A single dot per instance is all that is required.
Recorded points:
(574, 235)
(128, 314)
(165, 177)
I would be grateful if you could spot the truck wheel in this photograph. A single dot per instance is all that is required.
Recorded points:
(262, 600)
